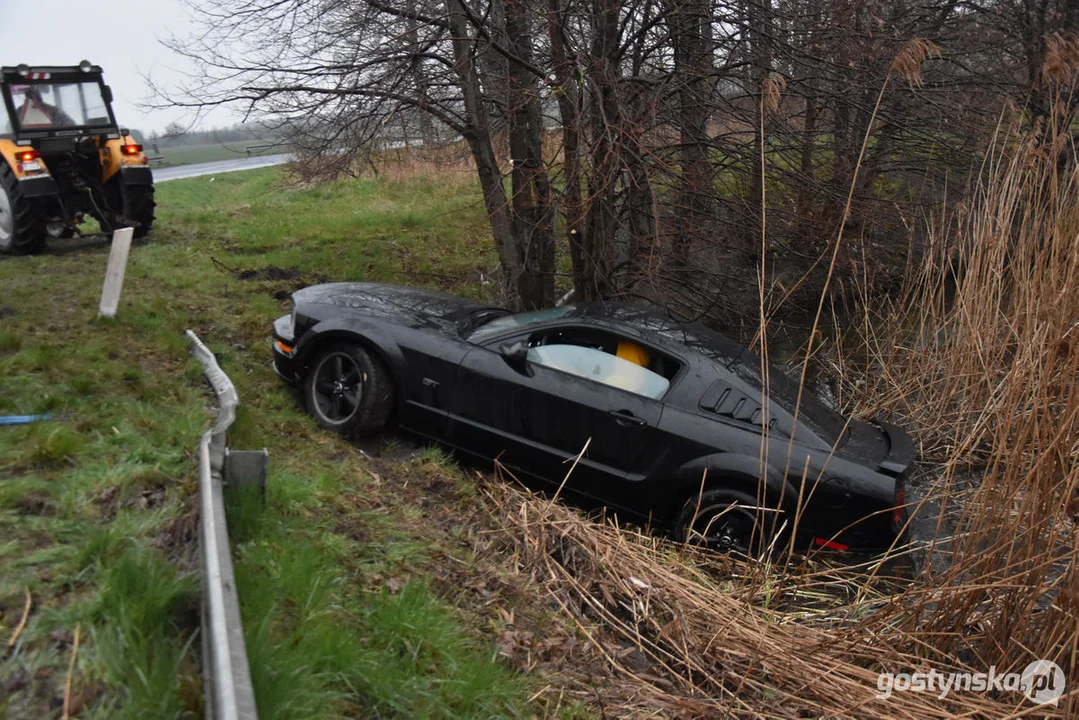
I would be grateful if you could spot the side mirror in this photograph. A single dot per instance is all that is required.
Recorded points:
(516, 356)
(106, 94)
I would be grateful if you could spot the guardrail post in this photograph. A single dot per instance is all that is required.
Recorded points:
(246, 470)
(114, 272)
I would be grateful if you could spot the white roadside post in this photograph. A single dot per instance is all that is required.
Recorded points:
(114, 274)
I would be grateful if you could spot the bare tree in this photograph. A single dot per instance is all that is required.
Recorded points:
(673, 117)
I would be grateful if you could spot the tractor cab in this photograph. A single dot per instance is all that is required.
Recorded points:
(63, 156)
(47, 103)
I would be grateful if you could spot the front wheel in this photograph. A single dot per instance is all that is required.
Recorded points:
(727, 520)
(348, 390)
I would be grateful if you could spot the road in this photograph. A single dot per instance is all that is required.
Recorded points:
(217, 167)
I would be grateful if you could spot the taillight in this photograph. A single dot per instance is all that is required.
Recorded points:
(831, 545)
(900, 503)
(132, 149)
(27, 155)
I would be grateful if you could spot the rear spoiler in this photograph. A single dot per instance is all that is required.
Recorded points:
(901, 452)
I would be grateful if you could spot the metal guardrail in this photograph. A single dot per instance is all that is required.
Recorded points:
(264, 146)
(226, 674)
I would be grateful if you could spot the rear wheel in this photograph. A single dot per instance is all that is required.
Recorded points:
(348, 390)
(139, 207)
(131, 206)
(22, 226)
(727, 520)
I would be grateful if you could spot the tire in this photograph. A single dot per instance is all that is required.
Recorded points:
(138, 205)
(727, 520)
(22, 225)
(129, 205)
(348, 390)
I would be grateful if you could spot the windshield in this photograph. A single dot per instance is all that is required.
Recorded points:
(45, 106)
(508, 322)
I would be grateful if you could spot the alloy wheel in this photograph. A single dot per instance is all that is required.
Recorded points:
(727, 527)
(338, 387)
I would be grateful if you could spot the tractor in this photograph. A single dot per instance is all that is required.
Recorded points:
(63, 157)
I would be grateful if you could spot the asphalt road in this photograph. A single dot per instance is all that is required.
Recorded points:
(217, 167)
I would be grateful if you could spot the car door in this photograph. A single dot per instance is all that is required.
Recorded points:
(432, 361)
(536, 419)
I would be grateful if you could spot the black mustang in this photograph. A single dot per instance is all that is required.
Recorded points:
(671, 412)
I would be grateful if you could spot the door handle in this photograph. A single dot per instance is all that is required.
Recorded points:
(627, 418)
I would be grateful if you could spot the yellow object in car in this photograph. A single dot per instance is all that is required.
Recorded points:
(633, 352)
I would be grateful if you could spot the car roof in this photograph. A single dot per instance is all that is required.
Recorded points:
(662, 324)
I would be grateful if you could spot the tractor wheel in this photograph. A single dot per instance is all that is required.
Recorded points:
(139, 206)
(22, 226)
(132, 205)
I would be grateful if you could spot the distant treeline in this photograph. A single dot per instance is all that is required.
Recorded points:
(176, 135)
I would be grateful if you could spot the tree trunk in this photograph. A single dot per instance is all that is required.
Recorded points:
(804, 210)
(568, 95)
(759, 15)
(691, 30)
(532, 204)
(478, 135)
(605, 119)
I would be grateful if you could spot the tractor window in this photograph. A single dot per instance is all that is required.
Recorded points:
(40, 106)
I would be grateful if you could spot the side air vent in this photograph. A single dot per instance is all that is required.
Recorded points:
(722, 399)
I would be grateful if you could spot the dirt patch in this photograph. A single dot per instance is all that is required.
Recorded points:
(292, 278)
(270, 272)
(147, 498)
(35, 502)
(107, 501)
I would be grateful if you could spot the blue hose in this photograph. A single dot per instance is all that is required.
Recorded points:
(22, 419)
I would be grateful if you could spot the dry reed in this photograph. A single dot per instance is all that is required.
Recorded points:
(979, 356)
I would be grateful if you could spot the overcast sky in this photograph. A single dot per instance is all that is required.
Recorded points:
(122, 36)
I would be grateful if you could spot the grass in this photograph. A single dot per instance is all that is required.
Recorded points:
(347, 607)
(393, 586)
(191, 154)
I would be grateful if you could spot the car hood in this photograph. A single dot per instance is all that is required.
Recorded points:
(406, 305)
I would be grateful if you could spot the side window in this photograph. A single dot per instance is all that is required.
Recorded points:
(603, 367)
(605, 357)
